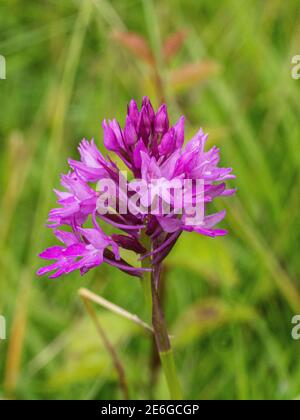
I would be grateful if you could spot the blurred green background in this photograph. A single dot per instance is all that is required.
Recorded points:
(229, 301)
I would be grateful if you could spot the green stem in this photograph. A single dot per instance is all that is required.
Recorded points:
(169, 368)
(147, 291)
(163, 344)
(150, 281)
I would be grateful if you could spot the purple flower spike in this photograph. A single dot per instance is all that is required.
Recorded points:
(167, 192)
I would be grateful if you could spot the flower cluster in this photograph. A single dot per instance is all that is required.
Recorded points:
(152, 150)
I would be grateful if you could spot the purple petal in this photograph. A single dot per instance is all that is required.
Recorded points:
(211, 232)
(137, 158)
(78, 187)
(213, 219)
(144, 125)
(96, 237)
(110, 141)
(229, 192)
(168, 143)
(52, 253)
(130, 133)
(44, 270)
(148, 106)
(170, 225)
(68, 238)
(133, 112)
(127, 242)
(161, 120)
(179, 132)
(58, 273)
(197, 142)
(75, 250)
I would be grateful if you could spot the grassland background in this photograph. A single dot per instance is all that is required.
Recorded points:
(229, 302)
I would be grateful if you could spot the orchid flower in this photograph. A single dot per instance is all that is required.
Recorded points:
(155, 155)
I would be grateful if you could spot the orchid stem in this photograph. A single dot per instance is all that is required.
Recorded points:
(164, 345)
(147, 293)
(169, 368)
(150, 285)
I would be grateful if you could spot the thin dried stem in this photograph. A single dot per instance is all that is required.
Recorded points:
(108, 345)
(99, 300)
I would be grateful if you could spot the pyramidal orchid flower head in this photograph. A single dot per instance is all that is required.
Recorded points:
(153, 205)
